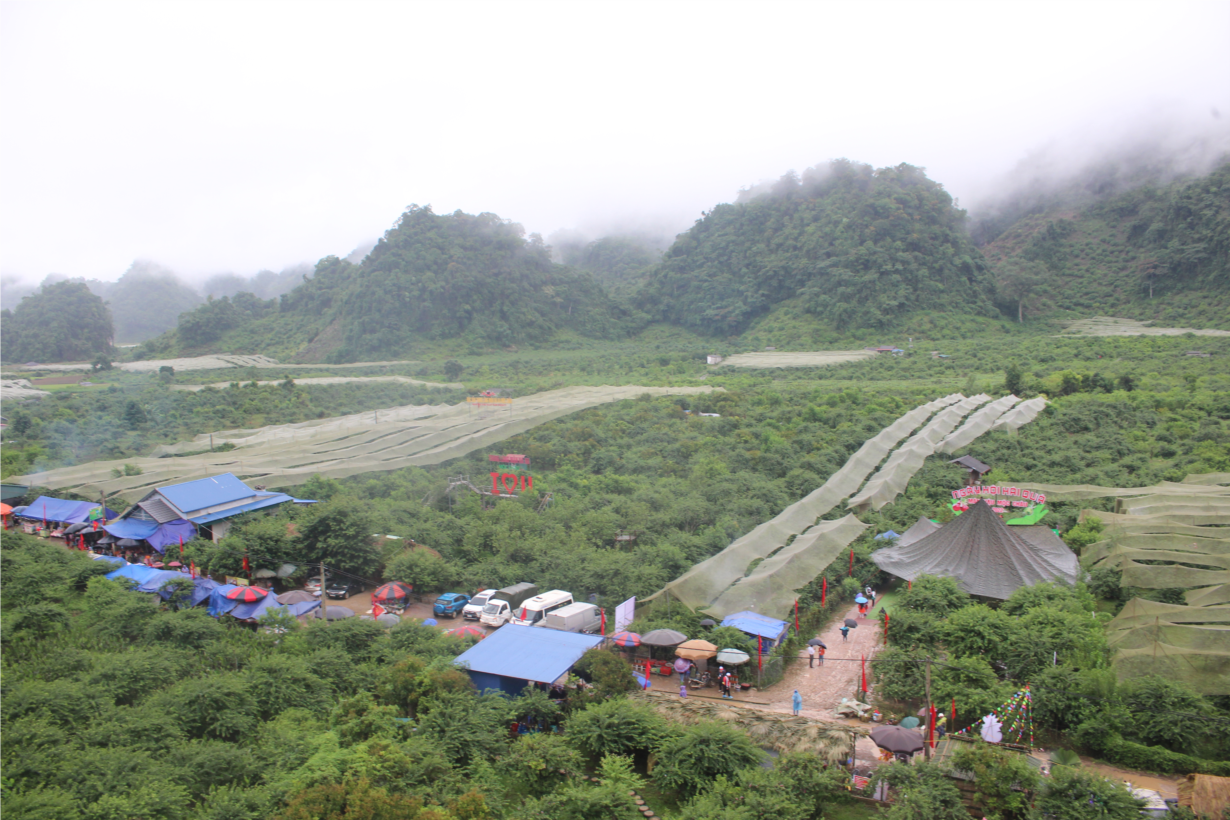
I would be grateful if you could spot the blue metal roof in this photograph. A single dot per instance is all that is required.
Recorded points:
(267, 500)
(207, 492)
(530, 653)
(753, 623)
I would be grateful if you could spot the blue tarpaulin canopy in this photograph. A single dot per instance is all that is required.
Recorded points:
(134, 572)
(59, 509)
(204, 586)
(170, 533)
(256, 608)
(753, 623)
(219, 604)
(516, 655)
(161, 576)
(133, 528)
(302, 608)
(111, 559)
(886, 536)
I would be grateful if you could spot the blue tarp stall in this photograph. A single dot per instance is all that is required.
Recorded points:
(771, 630)
(132, 528)
(139, 573)
(158, 535)
(161, 576)
(303, 608)
(888, 536)
(170, 533)
(59, 509)
(515, 656)
(256, 608)
(200, 593)
(219, 604)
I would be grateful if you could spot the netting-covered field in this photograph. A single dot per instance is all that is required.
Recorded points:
(1187, 643)
(290, 454)
(977, 424)
(1022, 414)
(220, 361)
(18, 389)
(1108, 326)
(819, 358)
(192, 388)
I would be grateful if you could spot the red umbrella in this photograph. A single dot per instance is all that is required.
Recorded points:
(395, 591)
(247, 594)
(175, 564)
(626, 639)
(468, 631)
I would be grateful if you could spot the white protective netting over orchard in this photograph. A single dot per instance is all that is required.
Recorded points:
(290, 454)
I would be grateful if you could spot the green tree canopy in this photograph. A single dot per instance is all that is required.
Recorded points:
(63, 321)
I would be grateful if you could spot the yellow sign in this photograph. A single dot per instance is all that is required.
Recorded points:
(239, 582)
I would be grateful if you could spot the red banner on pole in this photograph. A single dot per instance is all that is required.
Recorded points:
(181, 546)
(863, 664)
(954, 715)
(759, 652)
(603, 622)
(824, 590)
(886, 629)
(931, 725)
(851, 561)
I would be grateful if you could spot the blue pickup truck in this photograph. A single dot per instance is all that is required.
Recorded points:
(451, 604)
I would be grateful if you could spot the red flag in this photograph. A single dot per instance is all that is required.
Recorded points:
(192, 568)
(796, 615)
(246, 566)
(759, 652)
(863, 663)
(181, 546)
(931, 725)
(95, 523)
(523, 613)
(953, 728)
(910, 586)
(824, 590)
(377, 610)
(81, 542)
(851, 561)
(603, 611)
(886, 629)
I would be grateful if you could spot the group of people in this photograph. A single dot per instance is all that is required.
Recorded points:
(870, 595)
(725, 682)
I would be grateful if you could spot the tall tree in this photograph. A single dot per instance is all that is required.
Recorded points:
(1022, 282)
(64, 321)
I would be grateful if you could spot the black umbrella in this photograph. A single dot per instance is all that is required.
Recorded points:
(850, 622)
(708, 622)
(76, 528)
(663, 637)
(897, 740)
(107, 539)
(817, 642)
(126, 542)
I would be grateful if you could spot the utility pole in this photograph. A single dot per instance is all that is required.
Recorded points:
(324, 598)
(926, 745)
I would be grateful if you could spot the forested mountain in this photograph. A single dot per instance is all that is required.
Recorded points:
(145, 301)
(1150, 253)
(616, 262)
(63, 321)
(861, 247)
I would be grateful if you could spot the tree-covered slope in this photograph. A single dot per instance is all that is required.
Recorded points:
(63, 321)
(862, 247)
(1155, 252)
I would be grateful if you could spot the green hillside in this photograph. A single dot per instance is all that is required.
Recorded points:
(1160, 253)
(861, 248)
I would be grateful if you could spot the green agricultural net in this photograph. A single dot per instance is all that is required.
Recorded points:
(704, 583)
(290, 454)
(895, 475)
(977, 424)
(1187, 643)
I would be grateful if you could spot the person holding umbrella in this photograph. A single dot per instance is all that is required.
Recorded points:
(845, 633)
(811, 656)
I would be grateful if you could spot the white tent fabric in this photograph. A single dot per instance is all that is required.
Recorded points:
(977, 424)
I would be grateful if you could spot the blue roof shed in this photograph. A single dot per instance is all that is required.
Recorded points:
(771, 630)
(519, 655)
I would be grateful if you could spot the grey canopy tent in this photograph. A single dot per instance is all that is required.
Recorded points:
(985, 556)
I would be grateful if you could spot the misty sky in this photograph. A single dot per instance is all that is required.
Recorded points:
(228, 136)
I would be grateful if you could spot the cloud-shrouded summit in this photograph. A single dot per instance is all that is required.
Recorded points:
(216, 140)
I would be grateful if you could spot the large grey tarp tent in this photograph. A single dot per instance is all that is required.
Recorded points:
(920, 530)
(985, 556)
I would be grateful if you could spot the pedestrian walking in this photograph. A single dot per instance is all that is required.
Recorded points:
(811, 657)
(820, 650)
(845, 633)
(796, 702)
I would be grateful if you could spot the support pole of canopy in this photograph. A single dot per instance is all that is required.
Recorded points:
(927, 747)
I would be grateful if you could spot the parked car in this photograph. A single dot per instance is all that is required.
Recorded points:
(312, 584)
(534, 611)
(474, 609)
(499, 608)
(343, 589)
(450, 604)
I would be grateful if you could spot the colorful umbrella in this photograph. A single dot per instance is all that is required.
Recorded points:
(247, 594)
(696, 650)
(860, 600)
(682, 665)
(175, 564)
(5, 509)
(468, 631)
(627, 639)
(910, 722)
(394, 591)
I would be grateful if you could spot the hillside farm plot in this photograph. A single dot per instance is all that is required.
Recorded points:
(1106, 326)
(220, 361)
(820, 358)
(192, 388)
(290, 454)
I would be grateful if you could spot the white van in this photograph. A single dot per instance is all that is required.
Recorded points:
(534, 611)
(474, 610)
(581, 617)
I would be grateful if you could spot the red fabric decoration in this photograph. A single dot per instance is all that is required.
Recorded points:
(603, 611)
(759, 652)
(851, 561)
(796, 615)
(863, 663)
(824, 590)
(247, 568)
